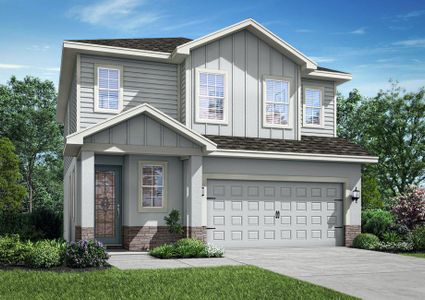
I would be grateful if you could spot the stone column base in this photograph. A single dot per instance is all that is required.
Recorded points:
(351, 231)
(84, 233)
(139, 238)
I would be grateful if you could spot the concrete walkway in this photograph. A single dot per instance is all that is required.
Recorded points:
(365, 274)
(142, 260)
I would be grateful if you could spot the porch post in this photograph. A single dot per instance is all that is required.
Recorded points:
(86, 230)
(193, 198)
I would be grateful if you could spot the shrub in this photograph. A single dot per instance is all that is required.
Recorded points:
(85, 254)
(409, 208)
(418, 238)
(376, 221)
(391, 237)
(213, 251)
(163, 251)
(189, 248)
(46, 254)
(12, 250)
(366, 241)
(47, 222)
(402, 230)
(173, 222)
(395, 246)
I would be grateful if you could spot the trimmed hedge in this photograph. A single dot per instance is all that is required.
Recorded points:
(377, 221)
(187, 248)
(366, 241)
(46, 254)
(86, 254)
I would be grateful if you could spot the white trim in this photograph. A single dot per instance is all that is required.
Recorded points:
(78, 137)
(138, 149)
(119, 68)
(198, 71)
(290, 102)
(78, 79)
(327, 75)
(164, 165)
(257, 29)
(116, 50)
(293, 156)
(322, 107)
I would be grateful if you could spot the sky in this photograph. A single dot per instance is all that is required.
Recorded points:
(373, 40)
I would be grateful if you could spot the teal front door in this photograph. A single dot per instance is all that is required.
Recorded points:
(108, 204)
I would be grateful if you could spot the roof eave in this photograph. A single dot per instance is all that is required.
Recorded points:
(338, 77)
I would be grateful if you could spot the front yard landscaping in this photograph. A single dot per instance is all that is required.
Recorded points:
(415, 254)
(244, 282)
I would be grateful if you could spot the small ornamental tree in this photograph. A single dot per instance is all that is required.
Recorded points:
(11, 191)
(409, 207)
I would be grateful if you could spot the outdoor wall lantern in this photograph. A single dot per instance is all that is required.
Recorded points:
(355, 195)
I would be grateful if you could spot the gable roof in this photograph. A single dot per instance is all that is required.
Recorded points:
(258, 30)
(151, 44)
(75, 140)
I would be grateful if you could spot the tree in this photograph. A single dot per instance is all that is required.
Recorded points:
(27, 111)
(409, 207)
(371, 196)
(392, 127)
(11, 191)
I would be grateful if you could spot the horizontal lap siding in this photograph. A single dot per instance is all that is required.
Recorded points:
(73, 106)
(329, 117)
(247, 59)
(183, 93)
(144, 82)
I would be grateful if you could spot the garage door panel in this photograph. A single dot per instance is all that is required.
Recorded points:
(257, 214)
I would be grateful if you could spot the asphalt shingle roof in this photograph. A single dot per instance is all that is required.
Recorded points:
(307, 144)
(151, 44)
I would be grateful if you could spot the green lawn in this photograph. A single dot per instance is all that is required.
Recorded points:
(244, 282)
(415, 254)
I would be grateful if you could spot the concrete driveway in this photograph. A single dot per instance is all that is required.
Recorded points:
(361, 273)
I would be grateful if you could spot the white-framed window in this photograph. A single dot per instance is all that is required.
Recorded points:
(313, 107)
(276, 102)
(108, 89)
(153, 186)
(211, 96)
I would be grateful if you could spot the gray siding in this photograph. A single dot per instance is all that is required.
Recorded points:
(328, 101)
(67, 160)
(70, 122)
(141, 131)
(183, 92)
(246, 59)
(143, 82)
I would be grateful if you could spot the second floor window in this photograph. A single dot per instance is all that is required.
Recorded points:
(108, 93)
(276, 102)
(312, 106)
(211, 97)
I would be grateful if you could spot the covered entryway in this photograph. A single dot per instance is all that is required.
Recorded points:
(262, 213)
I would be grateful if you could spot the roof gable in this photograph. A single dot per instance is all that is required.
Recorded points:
(76, 140)
(256, 29)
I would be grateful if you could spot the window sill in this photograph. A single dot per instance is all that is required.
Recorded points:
(217, 122)
(312, 126)
(277, 126)
(107, 111)
(152, 209)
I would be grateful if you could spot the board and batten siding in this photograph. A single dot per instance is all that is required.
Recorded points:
(328, 128)
(140, 131)
(143, 82)
(246, 59)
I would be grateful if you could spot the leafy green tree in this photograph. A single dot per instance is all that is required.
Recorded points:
(27, 111)
(11, 191)
(371, 196)
(392, 127)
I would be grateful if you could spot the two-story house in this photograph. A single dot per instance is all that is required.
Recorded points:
(236, 130)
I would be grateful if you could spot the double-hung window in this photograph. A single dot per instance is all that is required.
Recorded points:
(108, 95)
(211, 96)
(313, 107)
(152, 185)
(276, 102)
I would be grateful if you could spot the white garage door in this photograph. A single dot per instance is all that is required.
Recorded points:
(260, 213)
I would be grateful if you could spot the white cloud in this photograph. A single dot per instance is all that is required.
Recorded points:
(53, 69)
(322, 59)
(412, 14)
(185, 24)
(410, 43)
(124, 15)
(304, 30)
(40, 48)
(361, 30)
(12, 66)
